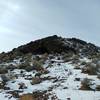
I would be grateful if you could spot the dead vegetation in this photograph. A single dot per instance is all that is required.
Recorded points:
(86, 84)
(38, 95)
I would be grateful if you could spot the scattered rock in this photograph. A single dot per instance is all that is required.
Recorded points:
(77, 79)
(22, 86)
(6, 88)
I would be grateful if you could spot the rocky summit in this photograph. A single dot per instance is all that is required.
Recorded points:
(52, 68)
(53, 45)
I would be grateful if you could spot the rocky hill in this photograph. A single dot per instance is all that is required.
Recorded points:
(52, 68)
(53, 45)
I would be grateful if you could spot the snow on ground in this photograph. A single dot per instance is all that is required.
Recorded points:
(64, 86)
(64, 94)
(4, 96)
(67, 72)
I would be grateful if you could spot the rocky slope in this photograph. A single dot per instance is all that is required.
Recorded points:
(52, 45)
(53, 68)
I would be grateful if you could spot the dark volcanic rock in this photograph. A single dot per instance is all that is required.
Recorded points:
(52, 45)
(55, 44)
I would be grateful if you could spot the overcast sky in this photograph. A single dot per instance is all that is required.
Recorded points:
(22, 21)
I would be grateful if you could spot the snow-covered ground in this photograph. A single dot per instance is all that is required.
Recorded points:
(63, 83)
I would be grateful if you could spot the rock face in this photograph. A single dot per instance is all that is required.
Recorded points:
(53, 45)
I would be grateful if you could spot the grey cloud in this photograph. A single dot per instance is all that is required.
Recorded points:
(25, 20)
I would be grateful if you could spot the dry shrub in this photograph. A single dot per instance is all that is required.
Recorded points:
(67, 57)
(23, 65)
(98, 76)
(98, 88)
(86, 84)
(38, 66)
(83, 63)
(2, 85)
(5, 78)
(37, 95)
(3, 71)
(90, 68)
(26, 97)
(36, 80)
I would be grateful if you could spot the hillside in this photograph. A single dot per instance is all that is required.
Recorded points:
(52, 68)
